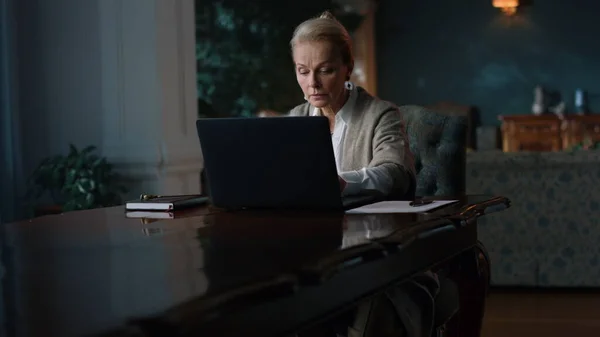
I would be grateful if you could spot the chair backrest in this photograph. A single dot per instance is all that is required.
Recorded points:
(438, 144)
(456, 109)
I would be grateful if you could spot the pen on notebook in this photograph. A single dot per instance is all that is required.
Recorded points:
(148, 196)
(420, 202)
(145, 197)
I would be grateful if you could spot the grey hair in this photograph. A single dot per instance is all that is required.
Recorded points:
(325, 28)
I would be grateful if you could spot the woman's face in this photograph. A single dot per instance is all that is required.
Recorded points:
(321, 73)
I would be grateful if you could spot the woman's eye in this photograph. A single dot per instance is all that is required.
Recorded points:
(327, 70)
(303, 72)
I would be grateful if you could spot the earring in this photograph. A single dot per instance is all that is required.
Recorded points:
(306, 99)
(349, 85)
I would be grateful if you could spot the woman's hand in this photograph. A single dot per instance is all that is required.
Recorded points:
(342, 183)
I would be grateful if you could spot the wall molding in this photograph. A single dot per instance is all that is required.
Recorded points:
(181, 66)
(365, 73)
(149, 68)
(120, 68)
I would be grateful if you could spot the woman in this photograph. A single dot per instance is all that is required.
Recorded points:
(372, 155)
(369, 139)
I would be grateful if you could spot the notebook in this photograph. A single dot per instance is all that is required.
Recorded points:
(166, 203)
(398, 207)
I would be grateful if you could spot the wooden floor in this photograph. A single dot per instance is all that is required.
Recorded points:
(529, 313)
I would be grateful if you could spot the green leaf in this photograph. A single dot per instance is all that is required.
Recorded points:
(98, 162)
(81, 188)
(102, 190)
(72, 150)
(88, 149)
(89, 199)
(71, 176)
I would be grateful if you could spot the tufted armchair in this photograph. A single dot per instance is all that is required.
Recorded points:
(438, 143)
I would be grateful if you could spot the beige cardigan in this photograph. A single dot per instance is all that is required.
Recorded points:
(376, 136)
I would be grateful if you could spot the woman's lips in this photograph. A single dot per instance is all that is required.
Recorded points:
(319, 96)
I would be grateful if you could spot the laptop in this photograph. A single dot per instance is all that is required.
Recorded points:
(272, 163)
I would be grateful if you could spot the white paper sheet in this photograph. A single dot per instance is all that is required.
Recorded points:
(397, 207)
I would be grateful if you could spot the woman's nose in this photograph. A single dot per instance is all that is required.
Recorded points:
(314, 81)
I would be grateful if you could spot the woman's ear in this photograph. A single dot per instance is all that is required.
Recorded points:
(350, 68)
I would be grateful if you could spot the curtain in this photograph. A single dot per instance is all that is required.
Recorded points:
(11, 181)
(11, 177)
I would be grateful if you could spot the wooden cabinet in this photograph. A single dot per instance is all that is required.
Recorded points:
(580, 128)
(531, 133)
(547, 132)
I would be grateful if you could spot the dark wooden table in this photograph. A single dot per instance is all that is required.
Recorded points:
(213, 273)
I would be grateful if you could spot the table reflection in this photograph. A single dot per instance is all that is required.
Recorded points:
(240, 248)
(83, 272)
(360, 229)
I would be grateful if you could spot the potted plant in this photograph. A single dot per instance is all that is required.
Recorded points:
(80, 180)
